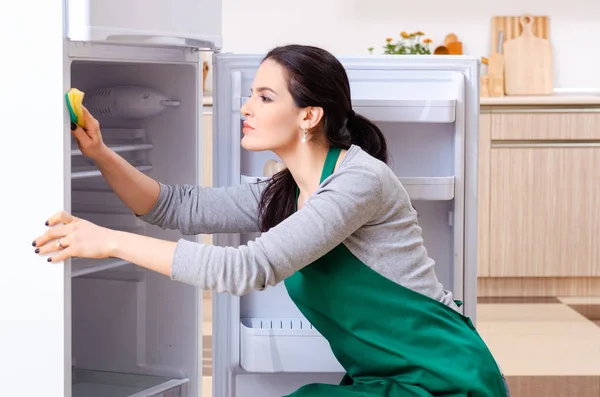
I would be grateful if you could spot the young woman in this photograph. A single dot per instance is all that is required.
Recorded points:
(338, 228)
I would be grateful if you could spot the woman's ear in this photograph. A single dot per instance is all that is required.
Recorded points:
(313, 116)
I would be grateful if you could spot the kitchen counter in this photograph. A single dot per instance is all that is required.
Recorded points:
(546, 100)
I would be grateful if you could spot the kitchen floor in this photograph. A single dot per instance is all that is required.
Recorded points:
(546, 347)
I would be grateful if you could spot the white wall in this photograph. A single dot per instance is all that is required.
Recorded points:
(351, 26)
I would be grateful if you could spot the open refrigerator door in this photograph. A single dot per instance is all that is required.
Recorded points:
(427, 108)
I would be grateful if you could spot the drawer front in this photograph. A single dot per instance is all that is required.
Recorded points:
(561, 126)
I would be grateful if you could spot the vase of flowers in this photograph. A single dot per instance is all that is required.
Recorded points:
(408, 44)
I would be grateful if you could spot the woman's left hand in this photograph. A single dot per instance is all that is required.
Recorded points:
(69, 236)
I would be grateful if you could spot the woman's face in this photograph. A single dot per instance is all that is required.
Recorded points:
(272, 120)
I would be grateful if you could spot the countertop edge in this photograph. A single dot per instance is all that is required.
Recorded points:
(553, 100)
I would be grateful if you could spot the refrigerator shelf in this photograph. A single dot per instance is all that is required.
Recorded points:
(97, 200)
(284, 345)
(91, 171)
(120, 148)
(85, 266)
(101, 384)
(418, 188)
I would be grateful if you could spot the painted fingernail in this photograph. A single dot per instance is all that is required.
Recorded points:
(33, 243)
(47, 223)
(37, 250)
(49, 259)
(73, 126)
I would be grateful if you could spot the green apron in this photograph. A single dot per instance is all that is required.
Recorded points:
(390, 340)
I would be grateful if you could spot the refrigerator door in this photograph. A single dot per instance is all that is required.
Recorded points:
(427, 108)
(34, 294)
(195, 23)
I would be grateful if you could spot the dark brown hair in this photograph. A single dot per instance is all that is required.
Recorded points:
(317, 78)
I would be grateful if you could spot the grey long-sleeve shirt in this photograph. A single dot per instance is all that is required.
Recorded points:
(362, 205)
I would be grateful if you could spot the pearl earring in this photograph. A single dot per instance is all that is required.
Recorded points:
(304, 137)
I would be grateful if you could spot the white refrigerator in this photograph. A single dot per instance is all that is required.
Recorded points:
(106, 328)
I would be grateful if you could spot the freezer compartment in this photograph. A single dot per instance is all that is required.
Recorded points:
(103, 384)
(284, 345)
(134, 331)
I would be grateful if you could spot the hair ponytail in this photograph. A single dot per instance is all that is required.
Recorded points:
(316, 78)
(364, 133)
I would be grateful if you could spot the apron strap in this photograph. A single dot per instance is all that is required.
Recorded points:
(332, 156)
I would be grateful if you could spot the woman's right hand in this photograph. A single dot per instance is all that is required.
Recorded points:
(89, 139)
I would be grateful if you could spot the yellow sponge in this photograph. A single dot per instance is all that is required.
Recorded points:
(74, 99)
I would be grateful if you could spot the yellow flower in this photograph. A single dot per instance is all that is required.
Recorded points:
(427, 41)
(405, 35)
(419, 33)
(389, 39)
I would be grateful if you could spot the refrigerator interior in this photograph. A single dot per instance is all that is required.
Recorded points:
(134, 331)
(422, 116)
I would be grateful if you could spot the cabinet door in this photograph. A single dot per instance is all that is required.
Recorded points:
(545, 211)
(179, 22)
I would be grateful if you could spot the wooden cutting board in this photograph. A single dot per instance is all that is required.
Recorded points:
(528, 68)
(511, 28)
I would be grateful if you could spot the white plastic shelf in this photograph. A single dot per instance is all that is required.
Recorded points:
(407, 110)
(418, 188)
(120, 148)
(270, 345)
(84, 266)
(91, 171)
(429, 188)
(103, 384)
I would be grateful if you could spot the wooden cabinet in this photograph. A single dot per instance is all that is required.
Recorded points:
(539, 199)
(540, 125)
(544, 211)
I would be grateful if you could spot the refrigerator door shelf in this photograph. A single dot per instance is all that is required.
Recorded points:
(418, 188)
(187, 23)
(284, 345)
(429, 188)
(403, 110)
(98, 384)
(406, 110)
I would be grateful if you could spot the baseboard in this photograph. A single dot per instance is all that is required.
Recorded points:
(554, 386)
(538, 286)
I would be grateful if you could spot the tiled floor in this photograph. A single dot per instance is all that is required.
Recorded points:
(547, 347)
